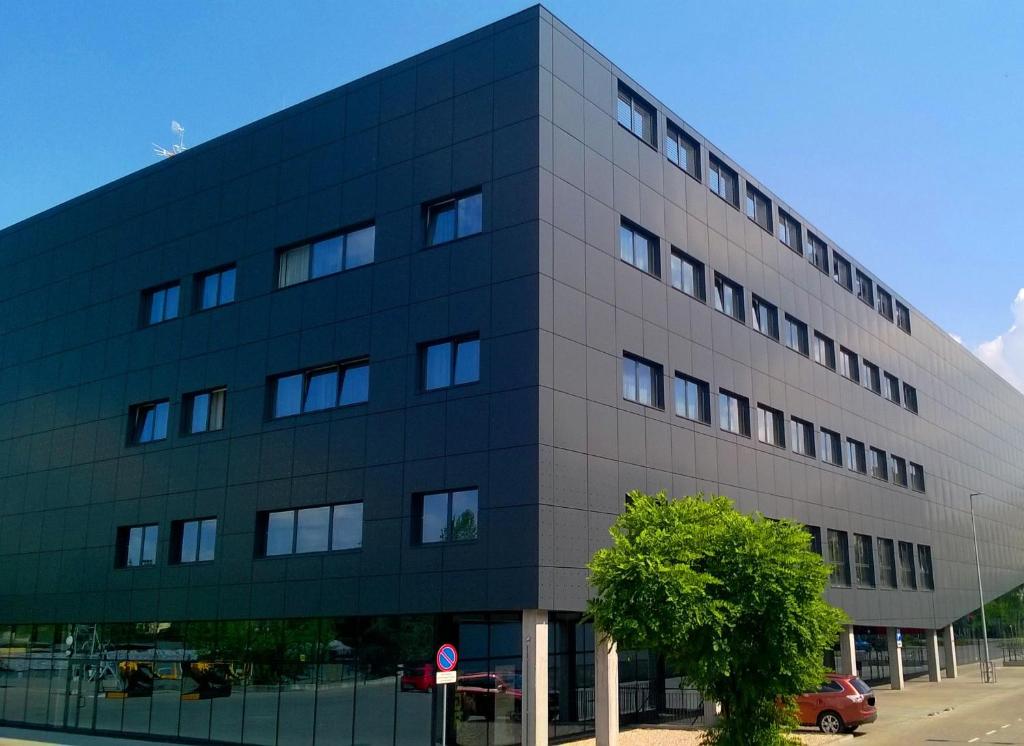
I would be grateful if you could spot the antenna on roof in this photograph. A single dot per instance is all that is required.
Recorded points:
(177, 148)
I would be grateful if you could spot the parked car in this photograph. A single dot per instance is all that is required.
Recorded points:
(842, 703)
(418, 677)
(488, 694)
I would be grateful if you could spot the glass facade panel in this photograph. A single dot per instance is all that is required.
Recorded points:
(322, 391)
(441, 223)
(327, 256)
(355, 385)
(288, 395)
(312, 529)
(467, 362)
(359, 247)
(437, 369)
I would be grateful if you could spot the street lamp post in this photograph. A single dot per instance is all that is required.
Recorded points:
(987, 666)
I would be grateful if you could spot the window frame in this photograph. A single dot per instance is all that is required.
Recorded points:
(724, 176)
(813, 244)
(891, 389)
(902, 316)
(804, 442)
(907, 572)
(432, 208)
(842, 267)
(178, 536)
(864, 560)
(865, 288)
(757, 202)
(656, 382)
(653, 247)
(135, 426)
(856, 456)
(199, 291)
(739, 307)
(149, 297)
(775, 435)
(898, 469)
(878, 463)
(803, 339)
(843, 545)
(872, 383)
(417, 517)
(703, 394)
(697, 269)
(771, 311)
(683, 143)
(910, 395)
(188, 410)
(831, 447)
(883, 300)
(915, 474)
(342, 368)
(846, 370)
(742, 413)
(309, 246)
(122, 547)
(456, 344)
(924, 560)
(263, 529)
(824, 346)
(788, 228)
(888, 572)
(637, 103)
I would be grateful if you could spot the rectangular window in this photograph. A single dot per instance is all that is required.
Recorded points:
(910, 397)
(771, 426)
(884, 303)
(916, 477)
(815, 533)
(891, 390)
(903, 317)
(886, 563)
(193, 541)
(687, 275)
(149, 421)
(817, 252)
(215, 288)
(879, 464)
(683, 150)
(729, 297)
(160, 304)
(450, 362)
(824, 351)
(839, 557)
(872, 377)
(446, 517)
(204, 411)
(848, 364)
(137, 545)
(453, 218)
(321, 388)
(326, 256)
(766, 317)
(723, 181)
(864, 559)
(831, 447)
(693, 399)
(733, 413)
(802, 437)
(842, 273)
(324, 528)
(908, 574)
(637, 115)
(924, 565)
(759, 208)
(865, 289)
(641, 382)
(856, 459)
(796, 335)
(790, 233)
(899, 470)
(639, 248)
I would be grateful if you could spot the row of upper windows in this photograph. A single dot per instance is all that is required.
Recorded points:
(642, 250)
(641, 119)
(445, 517)
(643, 383)
(445, 220)
(443, 364)
(910, 575)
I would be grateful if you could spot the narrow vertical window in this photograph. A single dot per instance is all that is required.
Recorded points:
(636, 115)
(885, 304)
(766, 317)
(771, 426)
(193, 541)
(642, 382)
(734, 413)
(910, 397)
(149, 421)
(924, 564)
(839, 557)
(864, 559)
(872, 377)
(161, 304)
(886, 563)
(137, 545)
(802, 437)
(683, 151)
(824, 351)
(879, 464)
(639, 248)
(849, 365)
(817, 252)
(205, 410)
(908, 572)
(216, 288)
(899, 471)
(693, 399)
(865, 289)
(903, 317)
(759, 208)
(796, 335)
(855, 456)
(892, 388)
(831, 447)
(790, 233)
(723, 181)
(687, 275)
(450, 362)
(842, 272)
(729, 298)
(916, 477)
(446, 517)
(454, 218)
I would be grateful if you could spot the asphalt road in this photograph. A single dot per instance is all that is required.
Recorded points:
(954, 711)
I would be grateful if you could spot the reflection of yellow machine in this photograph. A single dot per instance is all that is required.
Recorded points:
(213, 679)
(136, 678)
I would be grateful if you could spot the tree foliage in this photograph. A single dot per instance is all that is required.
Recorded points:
(733, 600)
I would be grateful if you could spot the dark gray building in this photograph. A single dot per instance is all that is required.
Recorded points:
(280, 414)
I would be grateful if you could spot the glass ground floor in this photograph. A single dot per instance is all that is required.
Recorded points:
(300, 682)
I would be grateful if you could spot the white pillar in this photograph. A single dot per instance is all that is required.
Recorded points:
(931, 644)
(606, 692)
(847, 662)
(949, 643)
(710, 712)
(534, 708)
(895, 660)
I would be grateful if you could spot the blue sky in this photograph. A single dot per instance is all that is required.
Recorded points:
(894, 126)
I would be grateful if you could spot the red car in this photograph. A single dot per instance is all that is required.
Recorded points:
(842, 703)
(418, 677)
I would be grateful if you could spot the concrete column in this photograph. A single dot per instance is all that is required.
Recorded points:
(949, 643)
(535, 678)
(895, 660)
(606, 692)
(931, 644)
(710, 713)
(847, 662)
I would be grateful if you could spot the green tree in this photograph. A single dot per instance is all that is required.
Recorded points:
(733, 600)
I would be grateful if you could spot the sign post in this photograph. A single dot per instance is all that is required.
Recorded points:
(899, 638)
(447, 657)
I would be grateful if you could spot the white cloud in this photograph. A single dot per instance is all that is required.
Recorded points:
(957, 338)
(1005, 353)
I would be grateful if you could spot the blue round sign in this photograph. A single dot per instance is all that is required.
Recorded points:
(447, 657)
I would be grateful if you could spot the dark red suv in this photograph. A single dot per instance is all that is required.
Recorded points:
(842, 703)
